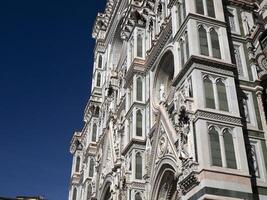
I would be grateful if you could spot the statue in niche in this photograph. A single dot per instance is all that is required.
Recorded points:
(186, 89)
(184, 129)
(162, 95)
(99, 156)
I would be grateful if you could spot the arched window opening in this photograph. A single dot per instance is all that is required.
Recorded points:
(130, 163)
(215, 148)
(139, 123)
(107, 193)
(74, 194)
(199, 7)
(89, 192)
(139, 45)
(229, 149)
(91, 167)
(203, 41)
(167, 186)
(94, 132)
(182, 56)
(222, 96)
(78, 161)
(139, 89)
(216, 52)
(183, 11)
(210, 8)
(100, 62)
(186, 46)
(98, 80)
(164, 76)
(138, 196)
(97, 110)
(179, 18)
(138, 166)
(209, 93)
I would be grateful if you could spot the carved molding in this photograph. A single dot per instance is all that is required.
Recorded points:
(218, 117)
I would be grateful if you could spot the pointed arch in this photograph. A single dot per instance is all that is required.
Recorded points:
(199, 7)
(203, 41)
(94, 132)
(139, 89)
(215, 149)
(140, 45)
(138, 196)
(164, 184)
(222, 95)
(164, 75)
(78, 163)
(139, 123)
(91, 167)
(210, 8)
(98, 79)
(138, 166)
(100, 60)
(229, 149)
(74, 194)
(215, 44)
(209, 93)
(182, 52)
(106, 189)
(89, 192)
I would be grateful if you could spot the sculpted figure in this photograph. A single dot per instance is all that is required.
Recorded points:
(162, 93)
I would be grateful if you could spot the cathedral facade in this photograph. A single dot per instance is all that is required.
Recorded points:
(178, 103)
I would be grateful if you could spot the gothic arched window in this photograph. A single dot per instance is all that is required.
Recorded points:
(199, 7)
(98, 79)
(77, 166)
(89, 192)
(138, 196)
(139, 45)
(138, 166)
(139, 89)
(182, 52)
(210, 8)
(94, 132)
(229, 149)
(203, 41)
(91, 167)
(100, 62)
(222, 96)
(215, 44)
(215, 148)
(187, 52)
(205, 7)
(74, 194)
(209, 93)
(139, 123)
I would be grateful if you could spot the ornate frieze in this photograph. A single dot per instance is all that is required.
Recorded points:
(200, 114)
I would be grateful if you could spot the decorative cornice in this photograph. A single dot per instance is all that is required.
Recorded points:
(218, 117)
(75, 142)
(247, 4)
(137, 14)
(103, 19)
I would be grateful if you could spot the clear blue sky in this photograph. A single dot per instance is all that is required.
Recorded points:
(45, 69)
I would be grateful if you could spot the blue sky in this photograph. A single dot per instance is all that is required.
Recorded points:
(45, 69)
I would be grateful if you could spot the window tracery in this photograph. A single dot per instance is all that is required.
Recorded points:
(222, 147)
(209, 41)
(215, 93)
